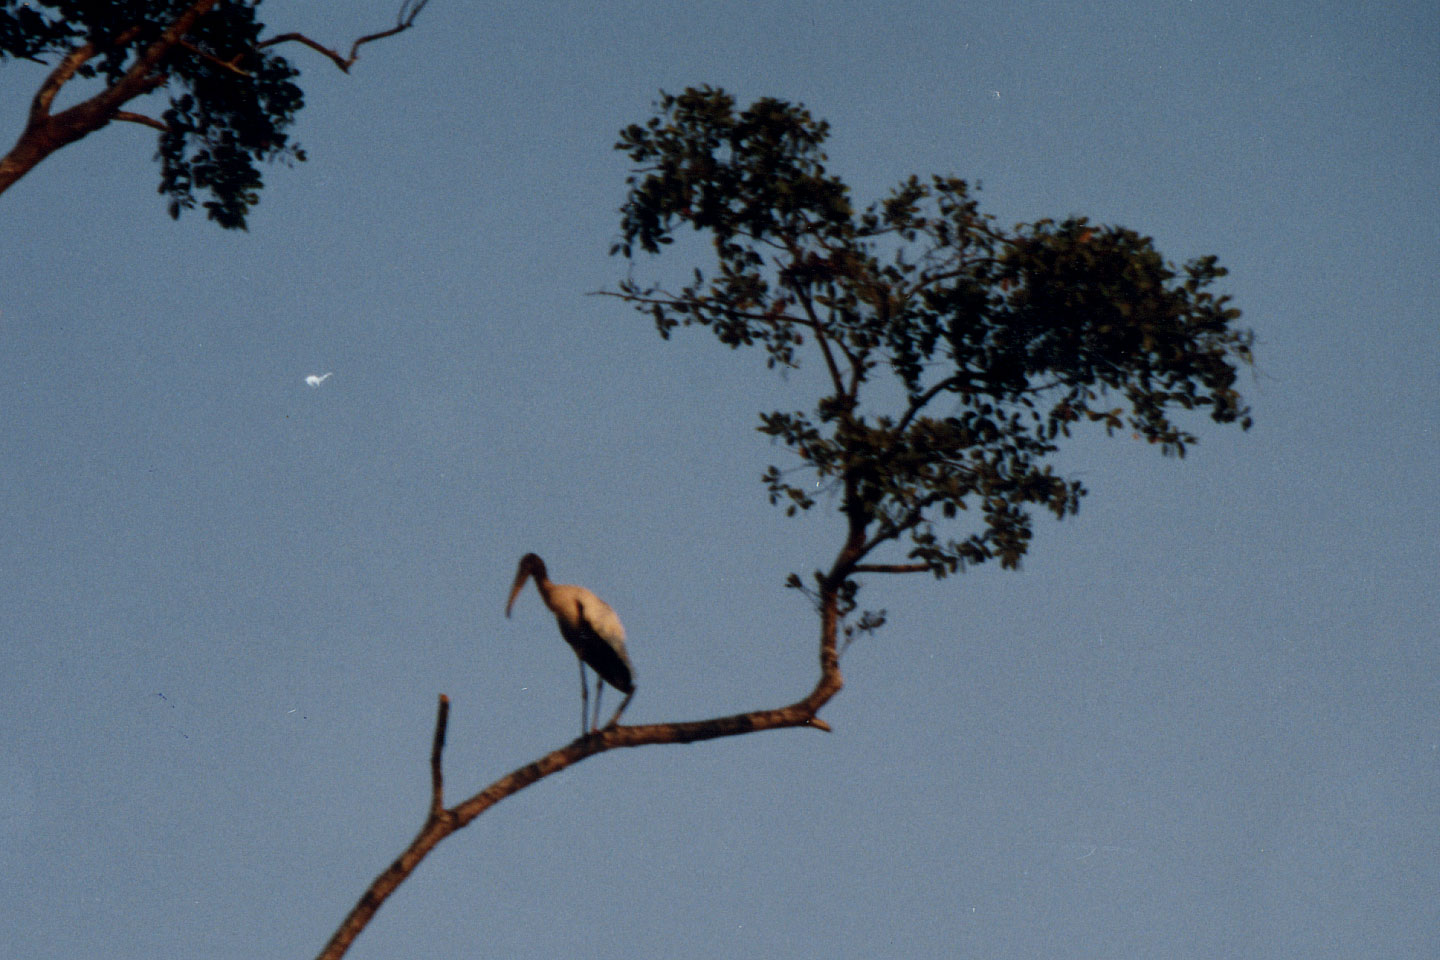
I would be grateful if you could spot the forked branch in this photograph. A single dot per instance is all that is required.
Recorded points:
(409, 10)
(440, 822)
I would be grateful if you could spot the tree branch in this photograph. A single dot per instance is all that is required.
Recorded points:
(340, 61)
(802, 297)
(892, 568)
(228, 65)
(893, 530)
(676, 302)
(141, 78)
(922, 401)
(440, 822)
(437, 776)
(403, 21)
(64, 72)
(140, 118)
(45, 133)
(409, 10)
(57, 78)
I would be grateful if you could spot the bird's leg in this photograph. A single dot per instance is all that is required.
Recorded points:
(599, 690)
(620, 709)
(584, 699)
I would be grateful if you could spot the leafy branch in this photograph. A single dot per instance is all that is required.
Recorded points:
(231, 101)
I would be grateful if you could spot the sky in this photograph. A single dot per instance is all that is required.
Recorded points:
(1202, 721)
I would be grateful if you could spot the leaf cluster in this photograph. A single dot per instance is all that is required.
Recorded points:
(230, 100)
(999, 340)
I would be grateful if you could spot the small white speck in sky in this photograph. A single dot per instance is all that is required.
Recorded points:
(315, 380)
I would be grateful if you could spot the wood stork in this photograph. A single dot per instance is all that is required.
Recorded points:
(590, 627)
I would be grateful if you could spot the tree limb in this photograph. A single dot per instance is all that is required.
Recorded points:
(57, 78)
(921, 402)
(441, 822)
(140, 118)
(892, 568)
(141, 77)
(403, 21)
(340, 61)
(818, 329)
(409, 10)
(45, 133)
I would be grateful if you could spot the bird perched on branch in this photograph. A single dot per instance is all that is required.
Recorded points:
(591, 628)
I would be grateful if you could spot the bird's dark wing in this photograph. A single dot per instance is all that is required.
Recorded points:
(600, 655)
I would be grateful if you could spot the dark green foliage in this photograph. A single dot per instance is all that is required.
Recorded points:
(226, 121)
(999, 340)
(230, 101)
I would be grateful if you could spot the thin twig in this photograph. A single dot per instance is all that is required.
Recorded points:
(892, 568)
(676, 302)
(211, 58)
(403, 21)
(437, 777)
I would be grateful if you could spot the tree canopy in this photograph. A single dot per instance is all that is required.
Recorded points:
(231, 97)
(1000, 340)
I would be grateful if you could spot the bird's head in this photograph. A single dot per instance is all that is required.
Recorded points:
(530, 566)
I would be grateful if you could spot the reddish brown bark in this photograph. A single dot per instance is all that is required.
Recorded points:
(45, 132)
(441, 822)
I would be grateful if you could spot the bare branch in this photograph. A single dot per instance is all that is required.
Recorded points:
(340, 61)
(440, 822)
(409, 10)
(403, 21)
(437, 777)
(140, 118)
(892, 568)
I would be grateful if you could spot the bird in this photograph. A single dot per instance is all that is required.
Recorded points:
(315, 380)
(591, 628)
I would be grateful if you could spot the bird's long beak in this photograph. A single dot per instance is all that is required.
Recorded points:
(515, 588)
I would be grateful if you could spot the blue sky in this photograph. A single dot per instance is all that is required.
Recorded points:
(1203, 721)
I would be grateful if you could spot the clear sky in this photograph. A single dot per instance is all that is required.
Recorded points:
(1203, 721)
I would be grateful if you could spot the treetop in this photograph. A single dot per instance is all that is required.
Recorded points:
(1001, 339)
